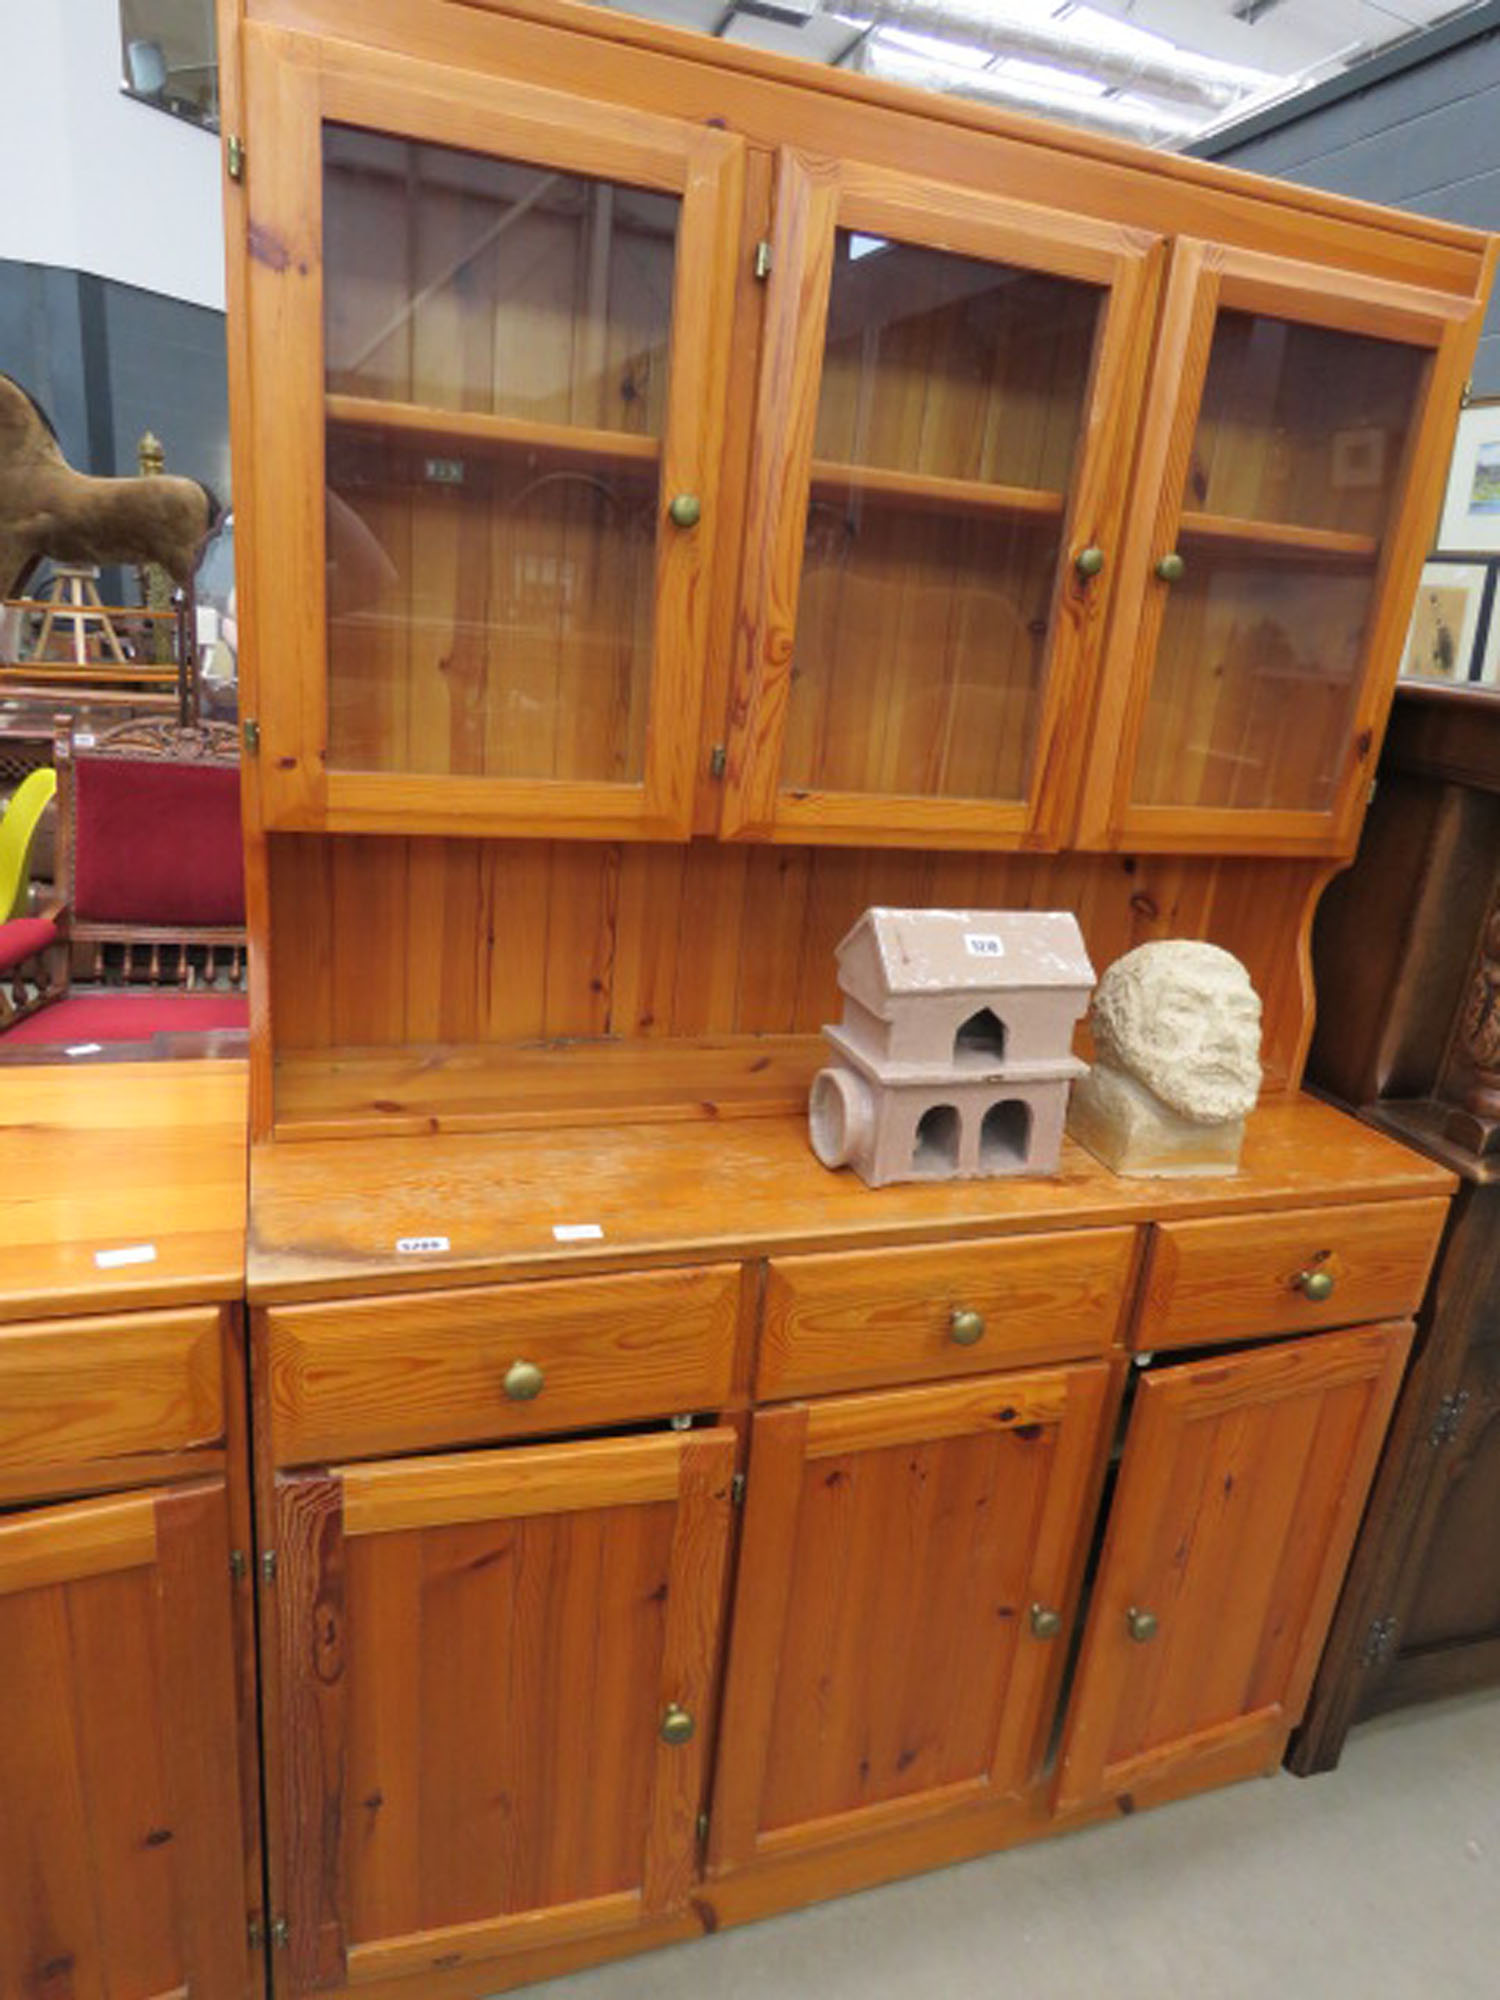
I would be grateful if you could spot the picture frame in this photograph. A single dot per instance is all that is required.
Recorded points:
(1470, 522)
(1452, 598)
(1485, 671)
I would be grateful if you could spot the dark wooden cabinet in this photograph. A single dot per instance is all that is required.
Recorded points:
(1399, 958)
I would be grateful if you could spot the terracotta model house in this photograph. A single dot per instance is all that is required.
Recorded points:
(954, 1053)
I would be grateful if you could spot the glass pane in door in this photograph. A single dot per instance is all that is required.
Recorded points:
(950, 405)
(1257, 674)
(1302, 424)
(496, 353)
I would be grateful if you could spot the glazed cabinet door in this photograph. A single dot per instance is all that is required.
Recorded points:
(1291, 456)
(903, 1603)
(120, 1809)
(1240, 1490)
(948, 388)
(495, 1682)
(489, 327)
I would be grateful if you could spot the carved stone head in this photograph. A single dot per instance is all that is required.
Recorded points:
(1182, 1018)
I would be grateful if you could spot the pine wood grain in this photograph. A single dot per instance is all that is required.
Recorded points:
(1212, 1280)
(860, 1319)
(102, 1159)
(664, 1195)
(386, 1375)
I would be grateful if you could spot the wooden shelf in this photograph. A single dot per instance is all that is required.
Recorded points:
(476, 429)
(924, 489)
(1235, 535)
(554, 1086)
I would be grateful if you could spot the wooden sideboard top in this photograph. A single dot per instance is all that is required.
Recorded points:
(101, 1159)
(326, 1216)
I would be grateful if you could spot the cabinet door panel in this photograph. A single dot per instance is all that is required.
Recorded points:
(119, 1788)
(1291, 459)
(508, 317)
(476, 1656)
(1239, 1494)
(884, 1662)
(943, 389)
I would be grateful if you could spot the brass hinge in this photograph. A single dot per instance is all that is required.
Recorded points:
(737, 1490)
(703, 1829)
(1448, 1418)
(281, 1930)
(255, 1931)
(268, 1566)
(238, 1567)
(1380, 1642)
(250, 730)
(1466, 395)
(716, 761)
(234, 154)
(762, 264)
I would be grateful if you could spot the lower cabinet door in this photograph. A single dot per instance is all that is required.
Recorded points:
(120, 1820)
(495, 1680)
(1240, 1491)
(903, 1604)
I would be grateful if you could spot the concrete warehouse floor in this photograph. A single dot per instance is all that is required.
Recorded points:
(1377, 1882)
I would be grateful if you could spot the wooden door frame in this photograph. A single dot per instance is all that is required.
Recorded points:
(315, 1512)
(814, 198)
(1203, 278)
(1076, 1396)
(293, 85)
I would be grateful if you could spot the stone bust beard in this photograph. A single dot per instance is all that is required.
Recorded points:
(1181, 1019)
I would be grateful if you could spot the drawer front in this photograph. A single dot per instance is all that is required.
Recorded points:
(80, 1392)
(1234, 1275)
(355, 1377)
(857, 1319)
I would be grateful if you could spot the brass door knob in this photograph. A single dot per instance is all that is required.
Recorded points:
(523, 1380)
(1088, 562)
(965, 1327)
(686, 510)
(1045, 1622)
(1141, 1625)
(1171, 568)
(1314, 1284)
(677, 1725)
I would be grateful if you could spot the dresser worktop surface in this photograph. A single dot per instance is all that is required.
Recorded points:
(326, 1216)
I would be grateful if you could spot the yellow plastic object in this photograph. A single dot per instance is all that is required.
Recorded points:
(17, 830)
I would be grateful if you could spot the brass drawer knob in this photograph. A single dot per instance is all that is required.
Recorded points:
(966, 1327)
(1088, 562)
(677, 1725)
(1045, 1622)
(1171, 568)
(1141, 1625)
(686, 510)
(1314, 1284)
(523, 1381)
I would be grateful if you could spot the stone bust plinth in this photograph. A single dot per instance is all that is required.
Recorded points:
(1176, 1027)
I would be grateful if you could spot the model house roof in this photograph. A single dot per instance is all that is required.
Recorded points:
(962, 951)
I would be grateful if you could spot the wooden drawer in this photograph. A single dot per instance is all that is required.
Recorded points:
(355, 1377)
(857, 1319)
(1233, 1275)
(75, 1393)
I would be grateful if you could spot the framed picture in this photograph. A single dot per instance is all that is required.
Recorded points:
(1486, 667)
(1471, 507)
(1445, 622)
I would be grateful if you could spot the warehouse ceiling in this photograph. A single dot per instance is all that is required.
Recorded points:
(1161, 71)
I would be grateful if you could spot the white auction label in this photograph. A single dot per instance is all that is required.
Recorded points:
(84, 1049)
(128, 1253)
(577, 1232)
(421, 1246)
(984, 944)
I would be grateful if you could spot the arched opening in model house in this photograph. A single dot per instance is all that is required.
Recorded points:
(980, 1041)
(1005, 1135)
(935, 1150)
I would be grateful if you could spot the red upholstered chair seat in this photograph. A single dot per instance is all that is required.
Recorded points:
(23, 938)
(157, 844)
